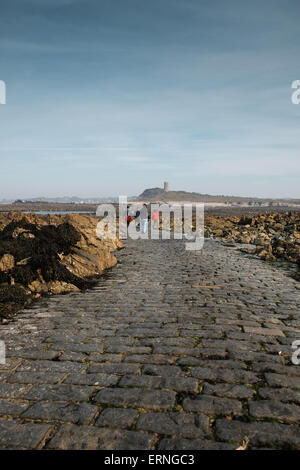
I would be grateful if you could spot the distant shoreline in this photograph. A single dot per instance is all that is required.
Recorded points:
(90, 209)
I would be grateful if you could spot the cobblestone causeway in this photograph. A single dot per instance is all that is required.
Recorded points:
(171, 350)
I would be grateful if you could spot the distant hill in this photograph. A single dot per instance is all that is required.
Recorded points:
(151, 193)
(158, 194)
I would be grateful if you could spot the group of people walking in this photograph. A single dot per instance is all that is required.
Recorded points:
(142, 217)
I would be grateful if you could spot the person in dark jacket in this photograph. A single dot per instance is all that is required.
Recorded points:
(144, 218)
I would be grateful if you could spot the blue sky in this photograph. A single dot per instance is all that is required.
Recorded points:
(108, 97)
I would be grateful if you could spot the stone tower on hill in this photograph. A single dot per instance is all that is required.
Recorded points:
(166, 186)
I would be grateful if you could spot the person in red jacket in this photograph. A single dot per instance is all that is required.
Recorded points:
(129, 217)
(155, 218)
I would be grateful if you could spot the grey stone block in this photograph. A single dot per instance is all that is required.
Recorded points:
(81, 413)
(137, 398)
(70, 437)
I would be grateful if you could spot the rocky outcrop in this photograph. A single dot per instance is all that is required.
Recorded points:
(272, 236)
(49, 254)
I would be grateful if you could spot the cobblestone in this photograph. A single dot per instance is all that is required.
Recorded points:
(228, 390)
(272, 435)
(278, 380)
(283, 412)
(149, 399)
(59, 392)
(213, 406)
(61, 411)
(220, 375)
(93, 438)
(282, 394)
(179, 384)
(117, 418)
(12, 408)
(180, 425)
(156, 356)
(14, 435)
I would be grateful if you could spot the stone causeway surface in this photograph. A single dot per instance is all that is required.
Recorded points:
(172, 350)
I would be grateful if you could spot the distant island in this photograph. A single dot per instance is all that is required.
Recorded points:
(165, 195)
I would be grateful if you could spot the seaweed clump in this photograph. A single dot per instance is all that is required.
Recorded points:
(31, 260)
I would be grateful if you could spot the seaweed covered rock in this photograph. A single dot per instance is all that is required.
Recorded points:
(49, 255)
